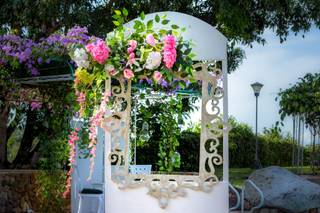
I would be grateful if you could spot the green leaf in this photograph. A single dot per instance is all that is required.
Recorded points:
(166, 21)
(142, 96)
(116, 23)
(142, 15)
(174, 26)
(125, 12)
(175, 33)
(162, 31)
(116, 17)
(187, 51)
(150, 24)
(157, 18)
(118, 12)
(192, 55)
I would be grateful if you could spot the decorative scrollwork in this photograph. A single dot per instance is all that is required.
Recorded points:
(166, 187)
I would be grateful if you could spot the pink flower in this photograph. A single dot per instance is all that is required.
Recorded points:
(99, 51)
(81, 97)
(89, 47)
(35, 105)
(157, 76)
(169, 51)
(131, 58)
(73, 138)
(111, 69)
(133, 44)
(170, 40)
(128, 74)
(150, 40)
(130, 50)
(113, 72)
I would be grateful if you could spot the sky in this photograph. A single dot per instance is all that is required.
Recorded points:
(276, 65)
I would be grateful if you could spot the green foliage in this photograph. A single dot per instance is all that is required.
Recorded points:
(189, 149)
(39, 18)
(164, 118)
(235, 56)
(240, 21)
(53, 140)
(275, 148)
(50, 187)
(302, 99)
(241, 144)
(38, 138)
(243, 21)
(170, 130)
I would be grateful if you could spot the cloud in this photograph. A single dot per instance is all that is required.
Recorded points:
(276, 66)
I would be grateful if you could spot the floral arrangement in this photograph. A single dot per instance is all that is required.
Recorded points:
(159, 58)
(145, 55)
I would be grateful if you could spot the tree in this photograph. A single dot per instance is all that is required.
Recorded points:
(39, 18)
(243, 21)
(301, 101)
(240, 21)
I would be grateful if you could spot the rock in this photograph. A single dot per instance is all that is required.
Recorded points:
(283, 190)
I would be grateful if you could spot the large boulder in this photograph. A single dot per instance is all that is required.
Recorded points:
(283, 190)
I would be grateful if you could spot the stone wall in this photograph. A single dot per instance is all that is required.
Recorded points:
(18, 191)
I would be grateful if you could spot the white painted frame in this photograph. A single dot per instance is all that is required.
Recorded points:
(209, 45)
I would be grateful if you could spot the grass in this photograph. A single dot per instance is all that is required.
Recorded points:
(239, 175)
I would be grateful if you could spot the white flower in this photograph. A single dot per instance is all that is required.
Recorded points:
(110, 69)
(153, 60)
(80, 56)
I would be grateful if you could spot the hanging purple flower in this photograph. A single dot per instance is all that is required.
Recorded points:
(149, 81)
(39, 60)
(163, 83)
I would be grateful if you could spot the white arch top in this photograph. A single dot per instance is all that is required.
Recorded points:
(210, 44)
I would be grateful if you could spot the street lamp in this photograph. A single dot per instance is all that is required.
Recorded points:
(256, 89)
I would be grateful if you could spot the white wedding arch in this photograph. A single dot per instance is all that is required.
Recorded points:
(203, 193)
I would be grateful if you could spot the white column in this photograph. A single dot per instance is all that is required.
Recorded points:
(225, 120)
(107, 162)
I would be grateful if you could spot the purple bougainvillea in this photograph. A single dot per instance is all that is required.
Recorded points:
(21, 52)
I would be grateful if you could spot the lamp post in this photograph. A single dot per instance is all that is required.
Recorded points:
(256, 89)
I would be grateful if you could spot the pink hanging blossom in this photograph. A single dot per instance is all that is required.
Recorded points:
(73, 138)
(157, 76)
(150, 40)
(35, 105)
(169, 51)
(99, 51)
(130, 50)
(94, 122)
(133, 44)
(81, 97)
(128, 74)
(131, 58)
